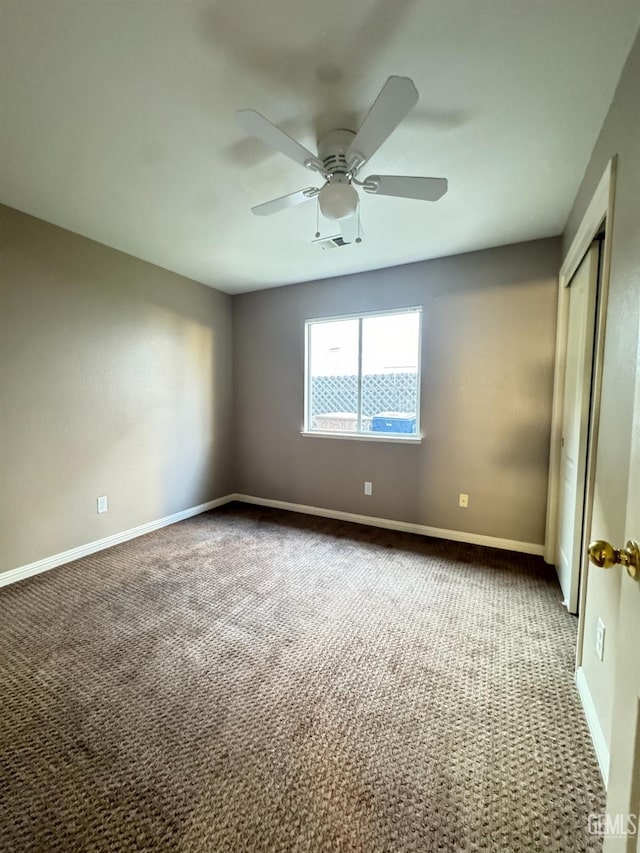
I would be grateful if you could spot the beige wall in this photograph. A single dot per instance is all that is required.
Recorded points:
(115, 379)
(488, 346)
(620, 135)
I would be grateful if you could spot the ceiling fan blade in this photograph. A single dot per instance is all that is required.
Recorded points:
(278, 204)
(260, 127)
(427, 189)
(396, 99)
(351, 229)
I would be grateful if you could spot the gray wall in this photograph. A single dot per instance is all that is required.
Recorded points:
(487, 363)
(115, 379)
(620, 135)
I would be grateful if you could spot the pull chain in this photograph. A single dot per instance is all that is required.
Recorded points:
(317, 218)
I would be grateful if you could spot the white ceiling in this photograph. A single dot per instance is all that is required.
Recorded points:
(118, 122)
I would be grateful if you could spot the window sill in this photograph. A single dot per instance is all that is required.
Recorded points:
(384, 439)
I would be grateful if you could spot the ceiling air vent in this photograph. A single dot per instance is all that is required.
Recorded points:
(330, 242)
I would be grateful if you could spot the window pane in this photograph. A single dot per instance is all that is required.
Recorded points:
(390, 352)
(333, 375)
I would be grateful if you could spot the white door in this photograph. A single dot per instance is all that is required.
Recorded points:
(623, 797)
(575, 424)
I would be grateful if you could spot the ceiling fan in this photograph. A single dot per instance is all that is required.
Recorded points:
(341, 155)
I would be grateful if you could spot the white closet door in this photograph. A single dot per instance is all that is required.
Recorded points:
(575, 424)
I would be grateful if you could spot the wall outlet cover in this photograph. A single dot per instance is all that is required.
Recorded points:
(103, 504)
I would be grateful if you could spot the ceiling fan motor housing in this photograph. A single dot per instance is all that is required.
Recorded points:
(332, 150)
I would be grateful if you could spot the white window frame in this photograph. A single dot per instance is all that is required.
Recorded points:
(358, 434)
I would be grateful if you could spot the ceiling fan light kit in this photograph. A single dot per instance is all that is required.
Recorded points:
(341, 154)
(338, 199)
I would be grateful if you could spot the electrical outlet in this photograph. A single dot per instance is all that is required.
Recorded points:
(463, 500)
(600, 632)
(103, 504)
(368, 488)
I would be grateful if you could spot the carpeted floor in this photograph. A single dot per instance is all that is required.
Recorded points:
(252, 680)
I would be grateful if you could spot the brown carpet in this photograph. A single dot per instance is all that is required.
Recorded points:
(251, 680)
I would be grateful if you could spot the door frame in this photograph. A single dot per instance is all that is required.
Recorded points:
(598, 212)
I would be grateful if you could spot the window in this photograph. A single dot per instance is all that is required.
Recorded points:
(362, 374)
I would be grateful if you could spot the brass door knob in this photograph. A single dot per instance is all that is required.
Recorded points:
(604, 555)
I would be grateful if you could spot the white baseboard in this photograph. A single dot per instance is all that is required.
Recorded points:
(390, 524)
(597, 735)
(21, 572)
(47, 563)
